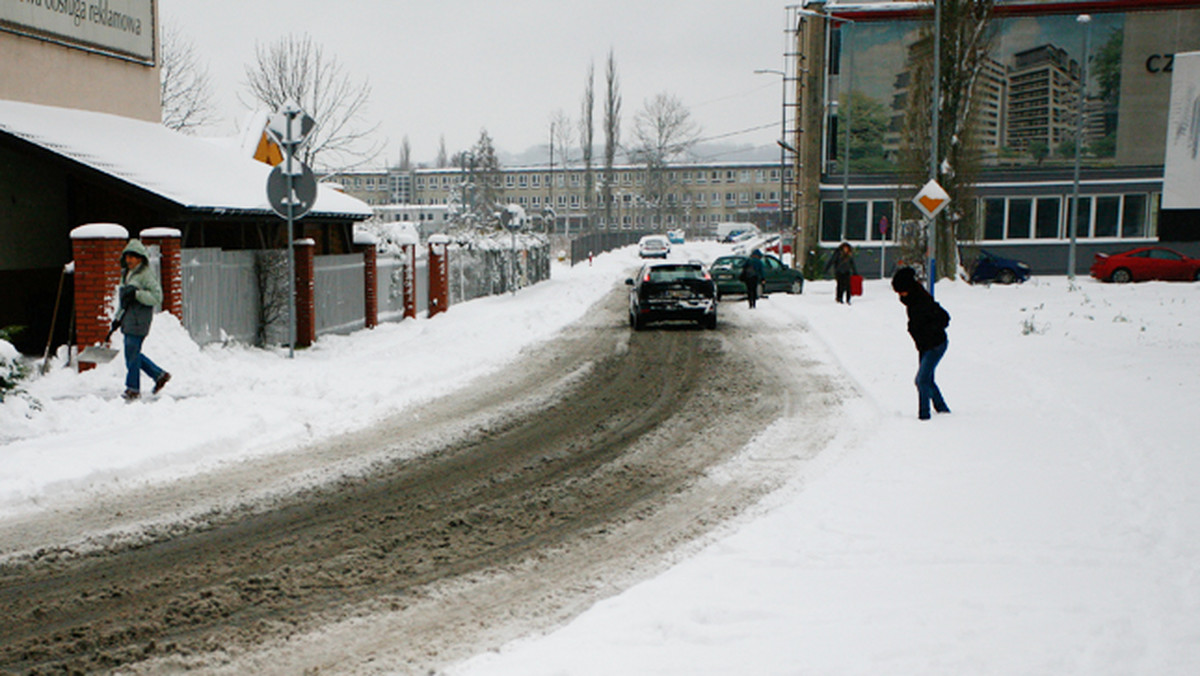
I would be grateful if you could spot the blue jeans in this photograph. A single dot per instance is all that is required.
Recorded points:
(136, 362)
(927, 390)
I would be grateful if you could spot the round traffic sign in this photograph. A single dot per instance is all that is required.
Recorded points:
(303, 191)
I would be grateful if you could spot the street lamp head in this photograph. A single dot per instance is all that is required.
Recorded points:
(762, 71)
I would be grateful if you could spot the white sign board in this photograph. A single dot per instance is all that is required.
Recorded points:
(1181, 178)
(931, 199)
(123, 28)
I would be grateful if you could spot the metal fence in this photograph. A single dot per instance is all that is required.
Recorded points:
(339, 293)
(599, 242)
(221, 296)
(389, 285)
(242, 295)
(475, 272)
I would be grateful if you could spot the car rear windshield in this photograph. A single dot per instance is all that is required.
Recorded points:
(671, 273)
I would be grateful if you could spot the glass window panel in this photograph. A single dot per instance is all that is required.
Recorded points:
(879, 211)
(856, 221)
(1083, 217)
(1107, 210)
(831, 221)
(1019, 213)
(1133, 216)
(1047, 217)
(993, 219)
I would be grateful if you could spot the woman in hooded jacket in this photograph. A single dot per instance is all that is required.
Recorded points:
(139, 293)
(927, 322)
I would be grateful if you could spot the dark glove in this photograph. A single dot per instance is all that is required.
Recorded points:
(128, 294)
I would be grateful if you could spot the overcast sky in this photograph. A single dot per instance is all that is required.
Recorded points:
(453, 67)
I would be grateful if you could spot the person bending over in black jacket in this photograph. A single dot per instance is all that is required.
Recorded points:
(927, 322)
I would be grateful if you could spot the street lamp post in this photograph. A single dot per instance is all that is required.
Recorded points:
(782, 155)
(1086, 20)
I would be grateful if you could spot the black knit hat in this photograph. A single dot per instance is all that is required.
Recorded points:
(905, 279)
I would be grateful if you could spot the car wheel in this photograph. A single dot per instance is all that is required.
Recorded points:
(1196, 277)
(637, 322)
(1121, 276)
(797, 287)
(1006, 277)
(710, 322)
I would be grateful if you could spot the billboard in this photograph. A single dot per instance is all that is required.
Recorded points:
(1181, 179)
(122, 28)
(1028, 92)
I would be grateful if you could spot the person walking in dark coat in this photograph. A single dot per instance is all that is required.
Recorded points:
(139, 293)
(927, 322)
(842, 264)
(753, 273)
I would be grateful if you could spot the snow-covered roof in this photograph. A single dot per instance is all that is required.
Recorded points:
(193, 172)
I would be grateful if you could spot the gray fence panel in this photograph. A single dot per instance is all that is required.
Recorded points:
(339, 293)
(389, 288)
(422, 286)
(220, 295)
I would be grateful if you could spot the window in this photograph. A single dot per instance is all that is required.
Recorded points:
(1019, 213)
(1047, 218)
(1083, 216)
(1133, 216)
(1107, 211)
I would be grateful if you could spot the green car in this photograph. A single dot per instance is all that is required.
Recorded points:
(727, 270)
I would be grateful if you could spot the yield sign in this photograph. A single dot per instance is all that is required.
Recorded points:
(931, 199)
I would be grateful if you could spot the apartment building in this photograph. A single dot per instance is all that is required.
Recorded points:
(696, 198)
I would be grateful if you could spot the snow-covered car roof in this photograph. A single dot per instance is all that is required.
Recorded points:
(197, 173)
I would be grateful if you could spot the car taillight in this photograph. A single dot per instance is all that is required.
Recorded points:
(646, 278)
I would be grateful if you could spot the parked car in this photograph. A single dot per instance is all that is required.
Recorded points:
(654, 246)
(672, 292)
(1146, 263)
(727, 273)
(990, 267)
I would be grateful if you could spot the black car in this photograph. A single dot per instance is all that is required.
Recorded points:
(672, 291)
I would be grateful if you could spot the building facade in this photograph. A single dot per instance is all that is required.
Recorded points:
(696, 198)
(1028, 109)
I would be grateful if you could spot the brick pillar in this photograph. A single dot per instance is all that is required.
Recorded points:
(365, 244)
(439, 275)
(306, 309)
(410, 279)
(170, 265)
(96, 249)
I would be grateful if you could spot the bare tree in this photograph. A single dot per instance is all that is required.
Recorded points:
(185, 89)
(296, 68)
(405, 161)
(586, 139)
(560, 147)
(663, 130)
(487, 177)
(443, 159)
(612, 132)
(966, 43)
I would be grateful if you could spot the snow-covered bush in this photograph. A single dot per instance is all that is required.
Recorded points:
(12, 369)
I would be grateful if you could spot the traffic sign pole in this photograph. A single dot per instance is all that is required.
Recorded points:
(930, 200)
(291, 239)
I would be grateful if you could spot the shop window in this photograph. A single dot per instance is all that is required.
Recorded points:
(1019, 213)
(1047, 218)
(881, 210)
(1083, 218)
(1107, 213)
(1133, 216)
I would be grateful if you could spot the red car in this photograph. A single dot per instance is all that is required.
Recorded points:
(1143, 263)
